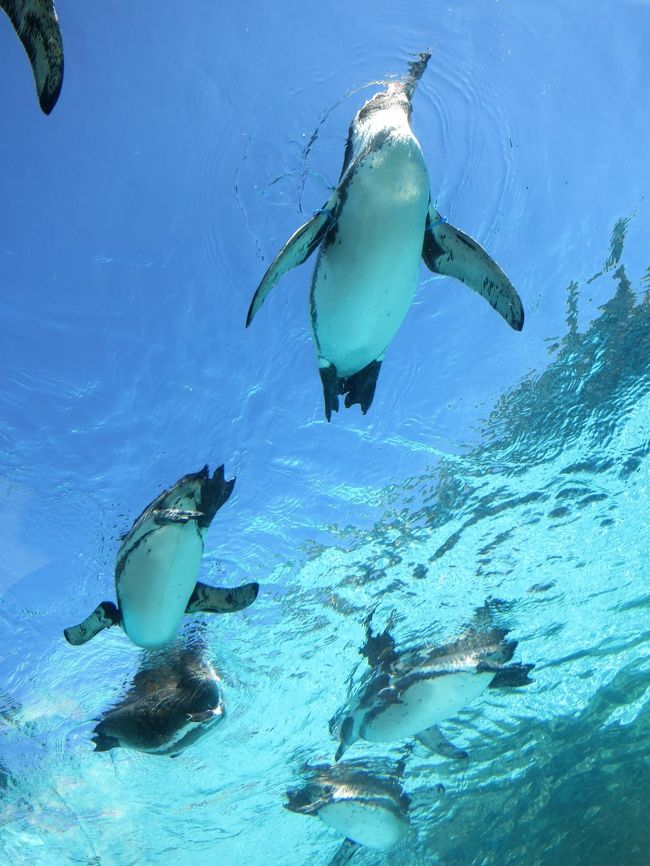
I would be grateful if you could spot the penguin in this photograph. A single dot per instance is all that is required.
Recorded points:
(360, 800)
(37, 26)
(158, 564)
(175, 697)
(408, 694)
(371, 234)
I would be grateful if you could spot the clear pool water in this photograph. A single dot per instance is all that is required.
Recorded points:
(189, 141)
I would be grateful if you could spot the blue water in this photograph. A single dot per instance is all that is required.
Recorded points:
(187, 145)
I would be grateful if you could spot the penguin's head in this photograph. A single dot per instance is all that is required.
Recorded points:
(394, 97)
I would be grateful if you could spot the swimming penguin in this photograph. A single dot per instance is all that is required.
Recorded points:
(37, 26)
(377, 225)
(361, 800)
(158, 564)
(175, 698)
(408, 694)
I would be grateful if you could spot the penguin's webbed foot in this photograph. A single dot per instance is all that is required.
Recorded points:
(215, 492)
(331, 389)
(360, 387)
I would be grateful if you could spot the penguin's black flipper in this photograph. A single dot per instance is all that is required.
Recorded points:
(215, 599)
(360, 387)
(380, 649)
(512, 677)
(103, 742)
(343, 855)
(297, 249)
(104, 616)
(37, 26)
(435, 741)
(447, 250)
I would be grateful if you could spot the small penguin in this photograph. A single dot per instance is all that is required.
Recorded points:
(37, 26)
(175, 698)
(361, 800)
(377, 225)
(408, 694)
(158, 564)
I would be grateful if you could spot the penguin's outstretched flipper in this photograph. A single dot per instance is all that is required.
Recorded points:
(435, 741)
(37, 26)
(344, 853)
(215, 599)
(449, 251)
(104, 616)
(297, 249)
(512, 677)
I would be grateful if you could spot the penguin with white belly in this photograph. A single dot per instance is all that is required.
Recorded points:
(37, 26)
(377, 225)
(175, 698)
(158, 565)
(361, 800)
(408, 694)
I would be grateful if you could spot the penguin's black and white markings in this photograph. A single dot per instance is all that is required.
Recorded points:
(37, 26)
(371, 234)
(357, 799)
(408, 694)
(175, 698)
(158, 565)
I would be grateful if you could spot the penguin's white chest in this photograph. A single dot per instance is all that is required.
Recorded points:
(364, 823)
(425, 703)
(366, 276)
(157, 580)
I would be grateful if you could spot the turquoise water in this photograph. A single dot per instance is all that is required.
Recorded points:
(137, 221)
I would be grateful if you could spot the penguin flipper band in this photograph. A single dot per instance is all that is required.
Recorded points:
(165, 516)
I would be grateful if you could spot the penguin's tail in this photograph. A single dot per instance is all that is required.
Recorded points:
(415, 72)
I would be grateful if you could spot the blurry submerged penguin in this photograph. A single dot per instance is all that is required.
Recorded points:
(362, 800)
(158, 565)
(407, 694)
(37, 26)
(377, 225)
(175, 698)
